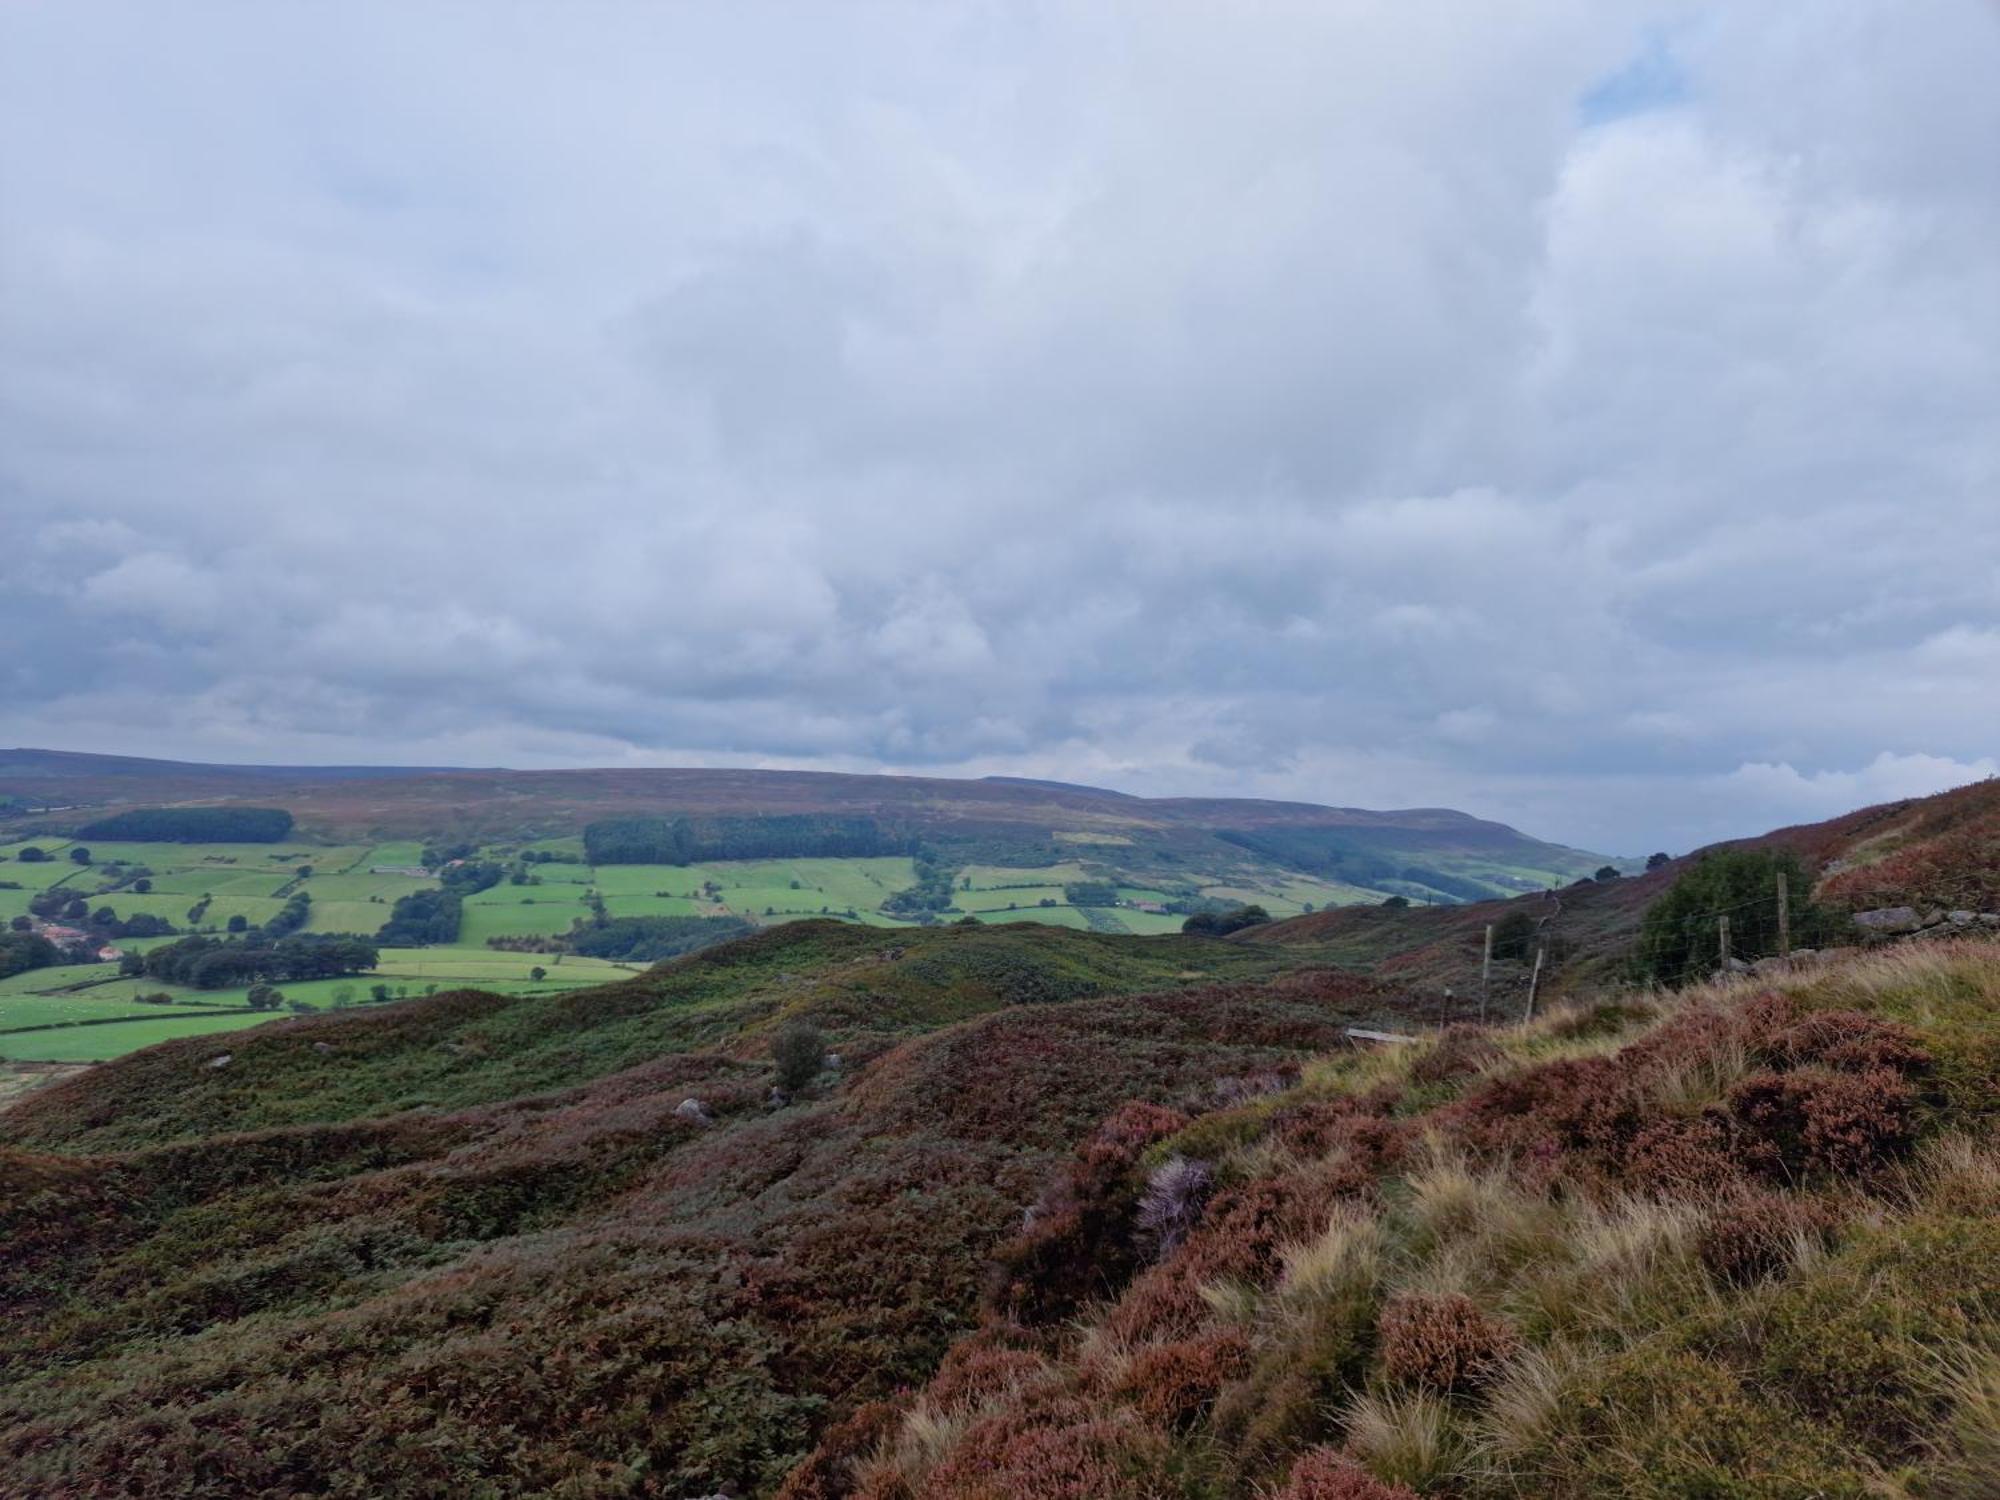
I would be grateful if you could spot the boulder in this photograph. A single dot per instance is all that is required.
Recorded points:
(1891, 920)
(1961, 918)
(222, 1061)
(694, 1112)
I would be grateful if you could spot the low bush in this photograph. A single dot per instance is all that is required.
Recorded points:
(1445, 1343)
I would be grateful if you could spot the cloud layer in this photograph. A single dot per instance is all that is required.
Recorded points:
(1580, 413)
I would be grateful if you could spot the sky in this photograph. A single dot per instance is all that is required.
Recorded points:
(1579, 412)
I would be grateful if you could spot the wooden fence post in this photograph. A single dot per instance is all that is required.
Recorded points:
(1784, 918)
(1485, 973)
(1534, 982)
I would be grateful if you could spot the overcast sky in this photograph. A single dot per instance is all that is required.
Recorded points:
(1583, 413)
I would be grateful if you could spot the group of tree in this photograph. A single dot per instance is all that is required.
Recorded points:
(1681, 935)
(422, 918)
(1221, 924)
(193, 825)
(22, 951)
(209, 963)
(290, 917)
(931, 891)
(1091, 893)
(650, 939)
(684, 840)
(33, 854)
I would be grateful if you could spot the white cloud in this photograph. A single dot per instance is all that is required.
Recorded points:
(1329, 406)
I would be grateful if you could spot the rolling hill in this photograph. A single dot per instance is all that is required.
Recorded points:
(1428, 853)
(1067, 1214)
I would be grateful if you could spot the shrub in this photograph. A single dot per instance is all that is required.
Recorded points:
(1818, 1120)
(1324, 1474)
(1174, 1383)
(1445, 1342)
(1755, 1234)
(1679, 938)
(1857, 1338)
(799, 1051)
(1064, 1451)
(1176, 1192)
(1079, 1237)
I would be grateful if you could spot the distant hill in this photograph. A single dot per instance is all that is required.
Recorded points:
(1934, 854)
(1430, 854)
(1072, 1215)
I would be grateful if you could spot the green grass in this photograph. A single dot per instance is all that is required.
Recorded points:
(1059, 916)
(18, 1011)
(58, 976)
(100, 1043)
(650, 906)
(543, 917)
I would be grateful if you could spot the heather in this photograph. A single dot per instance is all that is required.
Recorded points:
(1734, 1242)
(471, 1246)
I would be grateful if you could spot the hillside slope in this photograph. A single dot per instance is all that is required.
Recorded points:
(1935, 853)
(1467, 855)
(1741, 1245)
(474, 1245)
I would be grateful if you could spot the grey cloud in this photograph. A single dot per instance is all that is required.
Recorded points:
(1325, 405)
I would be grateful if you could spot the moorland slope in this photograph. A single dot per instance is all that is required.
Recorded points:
(1074, 1215)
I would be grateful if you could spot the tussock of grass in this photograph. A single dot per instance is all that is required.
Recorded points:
(1583, 1262)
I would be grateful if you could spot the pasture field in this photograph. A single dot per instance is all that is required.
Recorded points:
(1059, 916)
(651, 906)
(19, 1011)
(253, 881)
(519, 916)
(99, 1043)
(57, 997)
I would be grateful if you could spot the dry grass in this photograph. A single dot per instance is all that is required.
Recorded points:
(1407, 1438)
(1347, 1253)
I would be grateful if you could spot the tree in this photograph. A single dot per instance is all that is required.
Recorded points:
(1221, 924)
(301, 1007)
(343, 996)
(264, 997)
(378, 992)
(799, 1051)
(132, 965)
(1680, 938)
(1606, 872)
(76, 908)
(305, 872)
(142, 885)
(33, 856)
(1397, 903)
(1655, 861)
(80, 854)
(239, 923)
(22, 924)
(538, 973)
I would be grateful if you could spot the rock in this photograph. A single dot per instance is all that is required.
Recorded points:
(832, 1060)
(322, 1046)
(1961, 918)
(777, 1099)
(1890, 920)
(223, 1061)
(1990, 918)
(1736, 965)
(694, 1112)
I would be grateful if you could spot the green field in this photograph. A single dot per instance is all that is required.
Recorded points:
(252, 881)
(98, 1043)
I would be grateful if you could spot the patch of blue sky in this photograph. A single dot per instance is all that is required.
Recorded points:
(1653, 79)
